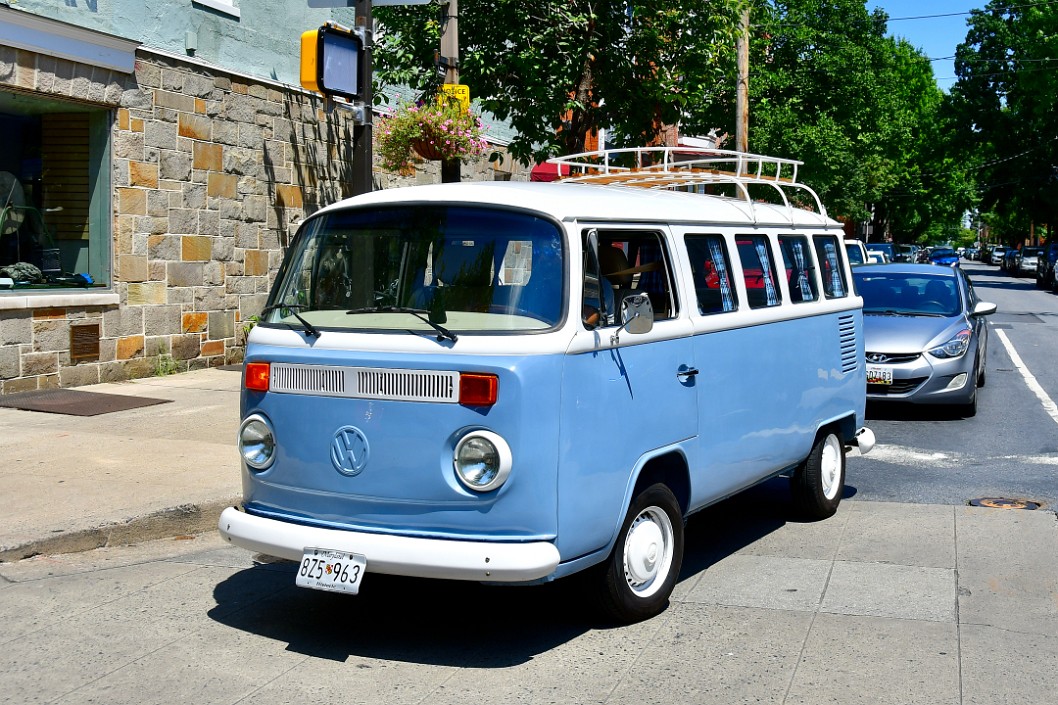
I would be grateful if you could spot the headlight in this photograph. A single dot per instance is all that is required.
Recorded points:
(257, 442)
(482, 461)
(953, 348)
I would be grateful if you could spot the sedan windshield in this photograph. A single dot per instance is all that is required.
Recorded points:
(428, 268)
(894, 293)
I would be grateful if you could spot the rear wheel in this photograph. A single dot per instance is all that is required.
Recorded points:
(819, 481)
(641, 572)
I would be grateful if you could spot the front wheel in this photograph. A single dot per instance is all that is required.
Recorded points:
(819, 481)
(641, 572)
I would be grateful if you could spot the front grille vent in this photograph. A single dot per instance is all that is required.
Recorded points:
(365, 382)
(892, 358)
(847, 341)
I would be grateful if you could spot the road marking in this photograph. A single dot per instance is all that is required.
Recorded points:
(915, 457)
(1048, 404)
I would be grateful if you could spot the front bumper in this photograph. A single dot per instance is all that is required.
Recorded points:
(931, 381)
(483, 561)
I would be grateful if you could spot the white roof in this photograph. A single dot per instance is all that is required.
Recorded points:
(589, 202)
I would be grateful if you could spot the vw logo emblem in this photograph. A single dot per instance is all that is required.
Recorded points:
(349, 450)
(877, 357)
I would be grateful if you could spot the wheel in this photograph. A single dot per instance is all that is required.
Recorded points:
(981, 376)
(818, 482)
(969, 410)
(641, 571)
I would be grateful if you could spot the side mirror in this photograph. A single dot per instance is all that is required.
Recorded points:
(983, 308)
(637, 316)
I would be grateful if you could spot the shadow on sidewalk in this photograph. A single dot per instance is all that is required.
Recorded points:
(449, 623)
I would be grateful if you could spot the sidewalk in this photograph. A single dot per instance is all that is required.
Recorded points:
(72, 483)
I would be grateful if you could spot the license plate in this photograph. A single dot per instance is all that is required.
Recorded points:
(879, 375)
(334, 571)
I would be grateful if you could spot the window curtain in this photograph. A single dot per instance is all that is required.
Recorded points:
(797, 247)
(766, 272)
(716, 251)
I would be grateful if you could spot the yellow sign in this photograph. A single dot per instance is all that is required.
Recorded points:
(455, 91)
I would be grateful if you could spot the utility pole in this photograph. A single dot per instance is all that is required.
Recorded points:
(450, 172)
(361, 178)
(742, 89)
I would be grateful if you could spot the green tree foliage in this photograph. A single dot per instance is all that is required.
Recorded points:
(1004, 98)
(560, 69)
(826, 86)
(861, 109)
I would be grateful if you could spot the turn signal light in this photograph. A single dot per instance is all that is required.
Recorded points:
(478, 389)
(257, 375)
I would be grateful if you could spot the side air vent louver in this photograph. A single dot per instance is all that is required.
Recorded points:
(366, 383)
(847, 341)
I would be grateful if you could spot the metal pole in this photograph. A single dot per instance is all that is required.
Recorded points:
(742, 92)
(450, 172)
(361, 178)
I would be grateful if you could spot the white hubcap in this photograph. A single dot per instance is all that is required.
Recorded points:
(648, 551)
(830, 467)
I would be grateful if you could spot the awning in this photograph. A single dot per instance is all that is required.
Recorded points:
(548, 172)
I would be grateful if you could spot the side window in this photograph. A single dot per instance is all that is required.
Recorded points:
(634, 262)
(758, 270)
(831, 269)
(800, 268)
(711, 267)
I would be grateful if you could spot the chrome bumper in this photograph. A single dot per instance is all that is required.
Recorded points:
(395, 555)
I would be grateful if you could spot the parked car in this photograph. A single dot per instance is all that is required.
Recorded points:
(906, 253)
(1026, 262)
(984, 254)
(944, 256)
(1045, 263)
(886, 248)
(970, 253)
(1010, 261)
(856, 252)
(925, 337)
(997, 254)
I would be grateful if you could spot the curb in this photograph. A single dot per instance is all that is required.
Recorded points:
(182, 520)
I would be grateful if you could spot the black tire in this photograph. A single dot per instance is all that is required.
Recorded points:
(819, 482)
(636, 581)
(969, 410)
(981, 377)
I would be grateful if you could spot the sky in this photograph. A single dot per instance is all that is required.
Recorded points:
(936, 36)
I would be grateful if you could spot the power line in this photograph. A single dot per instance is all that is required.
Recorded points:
(963, 14)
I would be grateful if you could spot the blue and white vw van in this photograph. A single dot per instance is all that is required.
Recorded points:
(514, 382)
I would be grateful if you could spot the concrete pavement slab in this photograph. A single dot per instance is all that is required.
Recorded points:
(1008, 666)
(72, 483)
(1008, 575)
(788, 584)
(849, 660)
(905, 534)
(897, 591)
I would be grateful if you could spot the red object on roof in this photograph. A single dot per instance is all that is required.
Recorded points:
(548, 172)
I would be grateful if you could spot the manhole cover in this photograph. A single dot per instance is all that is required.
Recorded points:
(1004, 503)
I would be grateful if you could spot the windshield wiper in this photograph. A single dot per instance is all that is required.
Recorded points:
(442, 332)
(294, 308)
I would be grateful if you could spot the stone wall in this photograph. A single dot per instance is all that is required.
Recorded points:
(211, 174)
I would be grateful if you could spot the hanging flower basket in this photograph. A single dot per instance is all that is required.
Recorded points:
(431, 131)
(427, 150)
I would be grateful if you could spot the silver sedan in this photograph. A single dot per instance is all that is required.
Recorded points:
(924, 334)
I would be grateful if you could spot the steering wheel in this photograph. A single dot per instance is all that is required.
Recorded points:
(933, 307)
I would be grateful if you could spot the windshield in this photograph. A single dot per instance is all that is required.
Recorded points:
(943, 252)
(908, 294)
(414, 267)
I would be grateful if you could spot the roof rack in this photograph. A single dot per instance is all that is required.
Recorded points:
(685, 169)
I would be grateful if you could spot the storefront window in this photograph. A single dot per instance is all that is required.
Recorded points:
(54, 194)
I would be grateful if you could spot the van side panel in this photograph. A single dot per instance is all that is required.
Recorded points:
(764, 391)
(618, 404)
(408, 485)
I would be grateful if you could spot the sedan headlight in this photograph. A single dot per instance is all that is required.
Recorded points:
(482, 460)
(955, 347)
(257, 442)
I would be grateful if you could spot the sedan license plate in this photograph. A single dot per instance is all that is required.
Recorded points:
(879, 375)
(334, 571)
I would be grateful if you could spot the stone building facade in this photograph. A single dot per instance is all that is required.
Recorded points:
(210, 174)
